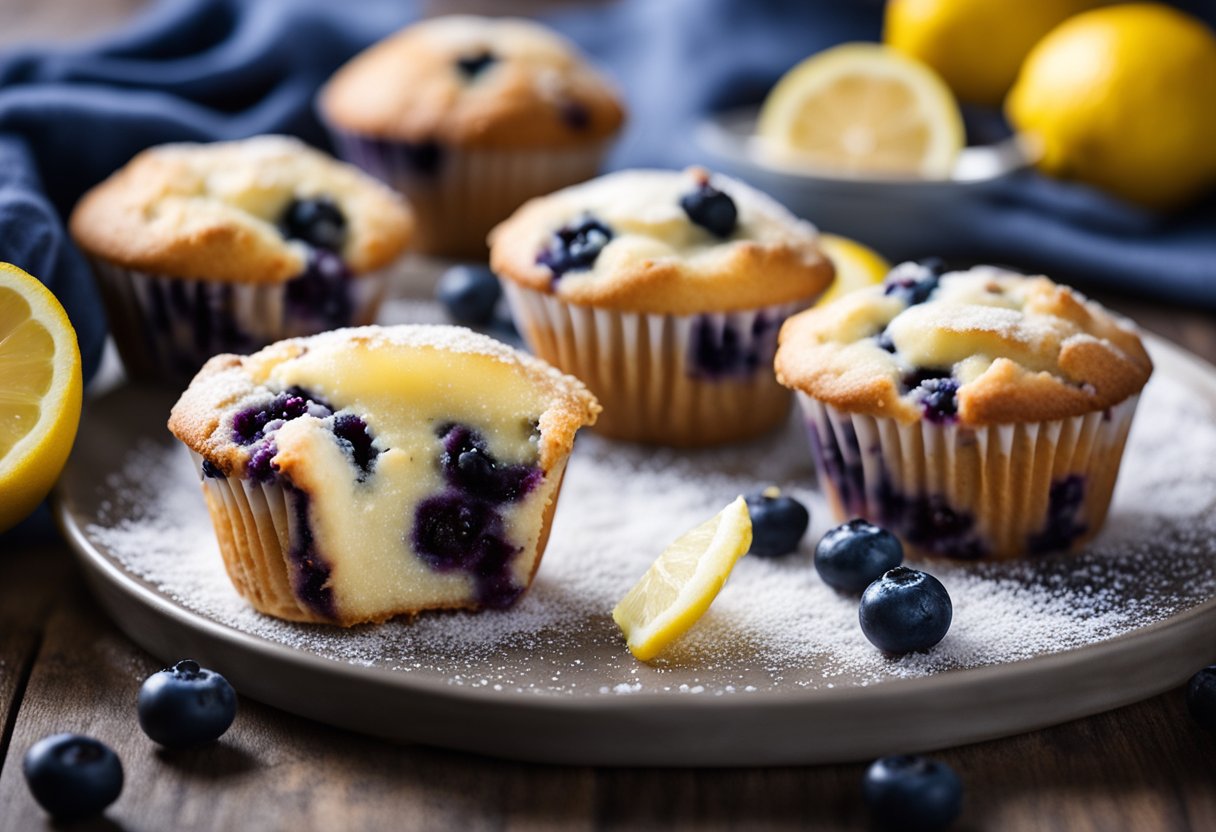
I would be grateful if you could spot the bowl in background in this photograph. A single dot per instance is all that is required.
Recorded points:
(900, 217)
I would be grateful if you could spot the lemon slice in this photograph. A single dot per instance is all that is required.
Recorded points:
(680, 585)
(863, 108)
(39, 392)
(856, 266)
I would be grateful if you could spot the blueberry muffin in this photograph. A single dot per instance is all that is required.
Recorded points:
(207, 248)
(372, 472)
(977, 414)
(469, 117)
(664, 292)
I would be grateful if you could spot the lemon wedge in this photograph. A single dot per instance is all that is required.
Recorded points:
(680, 585)
(40, 388)
(856, 266)
(863, 108)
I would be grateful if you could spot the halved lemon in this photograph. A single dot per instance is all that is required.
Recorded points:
(863, 108)
(680, 585)
(856, 266)
(40, 388)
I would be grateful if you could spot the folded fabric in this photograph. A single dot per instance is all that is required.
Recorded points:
(219, 69)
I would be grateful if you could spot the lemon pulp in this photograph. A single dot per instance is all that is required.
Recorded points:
(680, 585)
(40, 392)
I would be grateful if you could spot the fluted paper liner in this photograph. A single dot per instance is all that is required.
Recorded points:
(643, 369)
(996, 492)
(166, 327)
(467, 191)
(255, 524)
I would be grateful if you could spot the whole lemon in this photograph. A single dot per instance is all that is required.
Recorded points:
(977, 46)
(1124, 98)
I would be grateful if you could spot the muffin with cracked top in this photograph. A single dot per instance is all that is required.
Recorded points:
(469, 117)
(978, 414)
(379, 471)
(664, 291)
(226, 247)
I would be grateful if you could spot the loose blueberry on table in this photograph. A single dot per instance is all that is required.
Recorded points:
(1201, 697)
(905, 610)
(469, 294)
(912, 793)
(711, 209)
(72, 776)
(186, 705)
(575, 247)
(855, 554)
(778, 523)
(317, 221)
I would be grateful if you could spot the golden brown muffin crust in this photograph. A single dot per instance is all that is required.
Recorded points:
(209, 211)
(535, 91)
(1022, 349)
(658, 260)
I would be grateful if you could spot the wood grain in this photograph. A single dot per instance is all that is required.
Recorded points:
(64, 667)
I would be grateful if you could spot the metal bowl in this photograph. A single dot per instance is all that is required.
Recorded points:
(901, 217)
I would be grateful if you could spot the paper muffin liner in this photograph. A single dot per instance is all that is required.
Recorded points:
(459, 194)
(988, 493)
(683, 380)
(166, 327)
(256, 523)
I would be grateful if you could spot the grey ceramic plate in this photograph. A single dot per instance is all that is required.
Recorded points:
(399, 684)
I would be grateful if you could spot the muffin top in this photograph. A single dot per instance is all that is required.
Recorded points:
(245, 211)
(473, 81)
(663, 242)
(397, 381)
(980, 347)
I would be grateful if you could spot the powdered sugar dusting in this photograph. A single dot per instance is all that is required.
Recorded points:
(774, 627)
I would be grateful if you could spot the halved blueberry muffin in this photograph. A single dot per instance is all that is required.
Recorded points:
(372, 472)
(208, 248)
(977, 414)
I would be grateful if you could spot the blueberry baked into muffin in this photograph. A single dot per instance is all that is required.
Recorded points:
(977, 414)
(469, 117)
(207, 248)
(371, 472)
(664, 292)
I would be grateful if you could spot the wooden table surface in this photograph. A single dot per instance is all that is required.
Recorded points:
(64, 667)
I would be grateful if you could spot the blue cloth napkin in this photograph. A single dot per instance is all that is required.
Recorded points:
(222, 69)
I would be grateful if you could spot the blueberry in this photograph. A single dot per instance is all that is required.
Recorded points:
(211, 470)
(1201, 697)
(355, 436)
(852, 556)
(468, 465)
(936, 391)
(905, 610)
(186, 705)
(711, 209)
(73, 776)
(914, 282)
(939, 400)
(575, 247)
(472, 65)
(452, 531)
(884, 341)
(778, 523)
(317, 221)
(469, 294)
(911, 792)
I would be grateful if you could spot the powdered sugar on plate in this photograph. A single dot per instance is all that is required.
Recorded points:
(774, 627)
